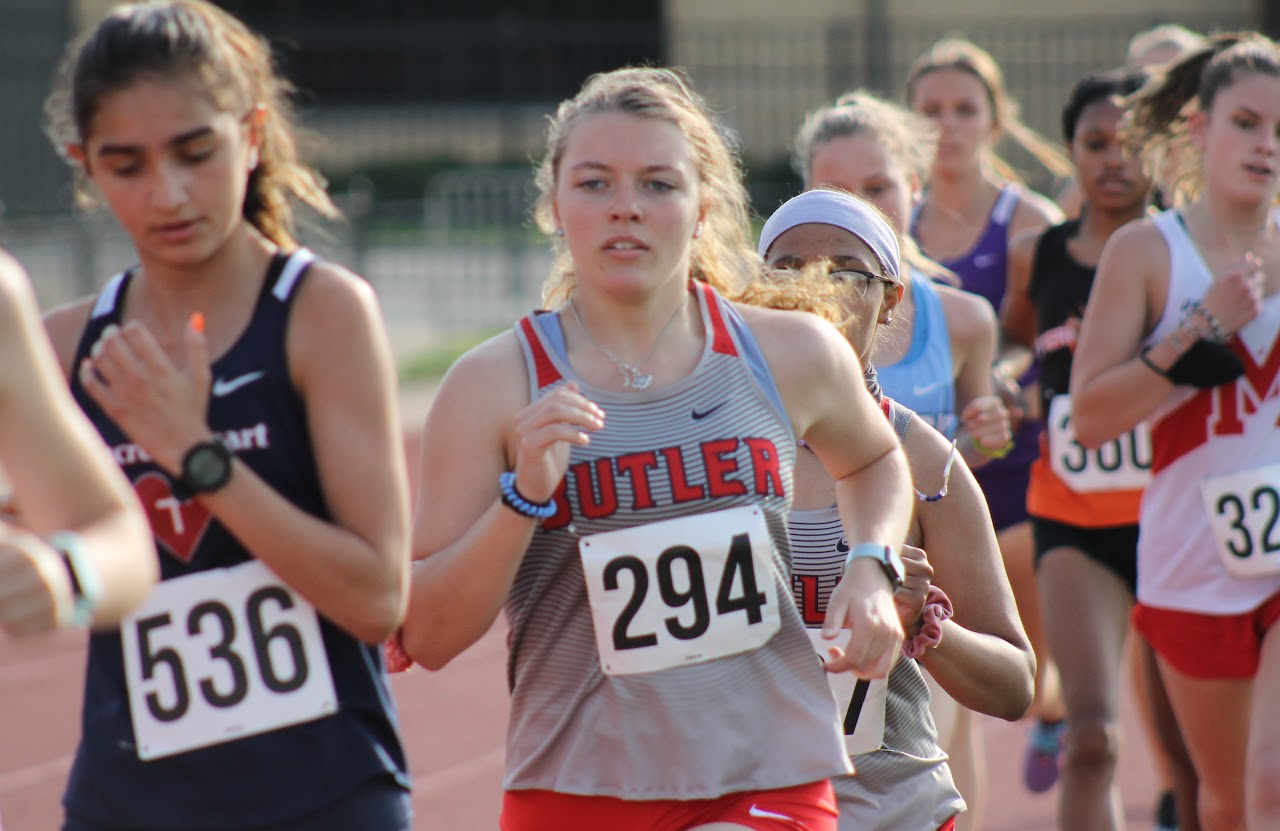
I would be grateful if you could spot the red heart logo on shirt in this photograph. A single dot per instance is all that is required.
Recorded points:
(178, 525)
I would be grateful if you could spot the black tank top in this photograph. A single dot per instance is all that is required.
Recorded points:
(261, 779)
(1059, 290)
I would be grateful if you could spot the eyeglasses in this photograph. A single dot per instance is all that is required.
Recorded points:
(858, 280)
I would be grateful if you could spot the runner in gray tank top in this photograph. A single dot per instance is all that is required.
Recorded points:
(623, 489)
(981, 657)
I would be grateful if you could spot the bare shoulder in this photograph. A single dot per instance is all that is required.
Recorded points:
(488, 379)
(15, 289)
(1022, 245)
(968, 315)
(331, 289)
(65, 325)
(790, 337)
(1137, 245)
(1034, 211)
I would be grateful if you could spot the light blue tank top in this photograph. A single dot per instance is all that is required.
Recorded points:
(924, 380)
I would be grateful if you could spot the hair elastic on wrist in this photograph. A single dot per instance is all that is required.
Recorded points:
(998, 453)
(1142, 356)
(946, 478)
(516, 502)
(937, 609)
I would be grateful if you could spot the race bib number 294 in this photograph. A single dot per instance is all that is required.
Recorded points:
(681, 591)
(221, 655)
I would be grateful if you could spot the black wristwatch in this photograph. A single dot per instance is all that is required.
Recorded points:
(886, 555)
(206, 467)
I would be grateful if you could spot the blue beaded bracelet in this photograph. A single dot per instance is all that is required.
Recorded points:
(513, 500)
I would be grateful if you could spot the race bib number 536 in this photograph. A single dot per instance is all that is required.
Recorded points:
(682, 591)
(220, 655)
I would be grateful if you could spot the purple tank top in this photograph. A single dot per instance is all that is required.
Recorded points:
(984, 269)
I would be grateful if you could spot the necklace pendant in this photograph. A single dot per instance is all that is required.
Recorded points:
(635, 379)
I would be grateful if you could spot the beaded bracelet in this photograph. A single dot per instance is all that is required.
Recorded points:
(998, 453)
(513, 500)
(1217, 332)
(937, 608)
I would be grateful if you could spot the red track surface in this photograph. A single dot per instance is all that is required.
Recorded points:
(453, 723)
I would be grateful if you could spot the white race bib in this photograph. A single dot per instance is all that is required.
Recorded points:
(682, 591)
(220, 655)
(1124, 463)
(860, 702)
(1244, 512)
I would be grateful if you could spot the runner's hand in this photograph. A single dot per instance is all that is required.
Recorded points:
(910, 597)
(35, 588)
(863, 603)
(987, 421)
(545, 430)
(1235, 297)
(161, 406)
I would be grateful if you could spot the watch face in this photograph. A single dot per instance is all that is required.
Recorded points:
(206, 467)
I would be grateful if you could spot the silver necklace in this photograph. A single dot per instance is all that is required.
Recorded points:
(633, 375)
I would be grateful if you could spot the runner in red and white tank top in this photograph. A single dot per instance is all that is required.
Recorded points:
(1182, 330)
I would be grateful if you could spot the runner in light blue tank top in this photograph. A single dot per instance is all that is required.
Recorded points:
(923, 379)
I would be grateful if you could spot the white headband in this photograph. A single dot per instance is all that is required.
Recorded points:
(829, 207)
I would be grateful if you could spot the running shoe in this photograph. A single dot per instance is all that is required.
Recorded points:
(1166, 813)
(1040, 765)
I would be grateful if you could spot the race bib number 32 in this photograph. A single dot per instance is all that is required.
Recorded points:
(1244, 512)
(682, 591)
(221, 655)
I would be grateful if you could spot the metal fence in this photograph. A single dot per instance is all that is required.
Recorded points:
(453, 248)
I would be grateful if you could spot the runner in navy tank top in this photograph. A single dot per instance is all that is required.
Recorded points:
(247, 691)
(623, 494)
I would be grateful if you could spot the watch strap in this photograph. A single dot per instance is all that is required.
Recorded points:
(86, 586)
(882, 554)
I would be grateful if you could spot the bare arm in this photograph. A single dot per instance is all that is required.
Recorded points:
(467, 546)
(984, 659)
(1111, 390)
(63, 478)
(820, 380)
(983, 417)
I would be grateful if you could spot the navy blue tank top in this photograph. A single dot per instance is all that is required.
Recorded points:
(261, 779)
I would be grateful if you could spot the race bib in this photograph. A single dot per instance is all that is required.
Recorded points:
(1124, 463)
(1244, 513)
(682, 591)
(220, 655)
(860, 702)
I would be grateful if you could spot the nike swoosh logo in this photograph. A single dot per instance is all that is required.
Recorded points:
(984, 260)
(926, 389)
(757, 811)
(698, 416)
(221, 387)
(842, 546)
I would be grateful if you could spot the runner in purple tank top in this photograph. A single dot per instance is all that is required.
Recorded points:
(965, 220)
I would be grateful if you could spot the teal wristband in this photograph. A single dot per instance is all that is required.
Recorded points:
(86, 587)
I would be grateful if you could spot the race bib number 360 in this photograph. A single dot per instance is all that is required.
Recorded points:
(1124, 463)
(221, 655)
(682, 591)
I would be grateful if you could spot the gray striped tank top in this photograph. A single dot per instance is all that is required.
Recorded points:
(904, 784)
(695, 677)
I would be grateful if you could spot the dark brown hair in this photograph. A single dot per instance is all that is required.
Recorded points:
(196, 39)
